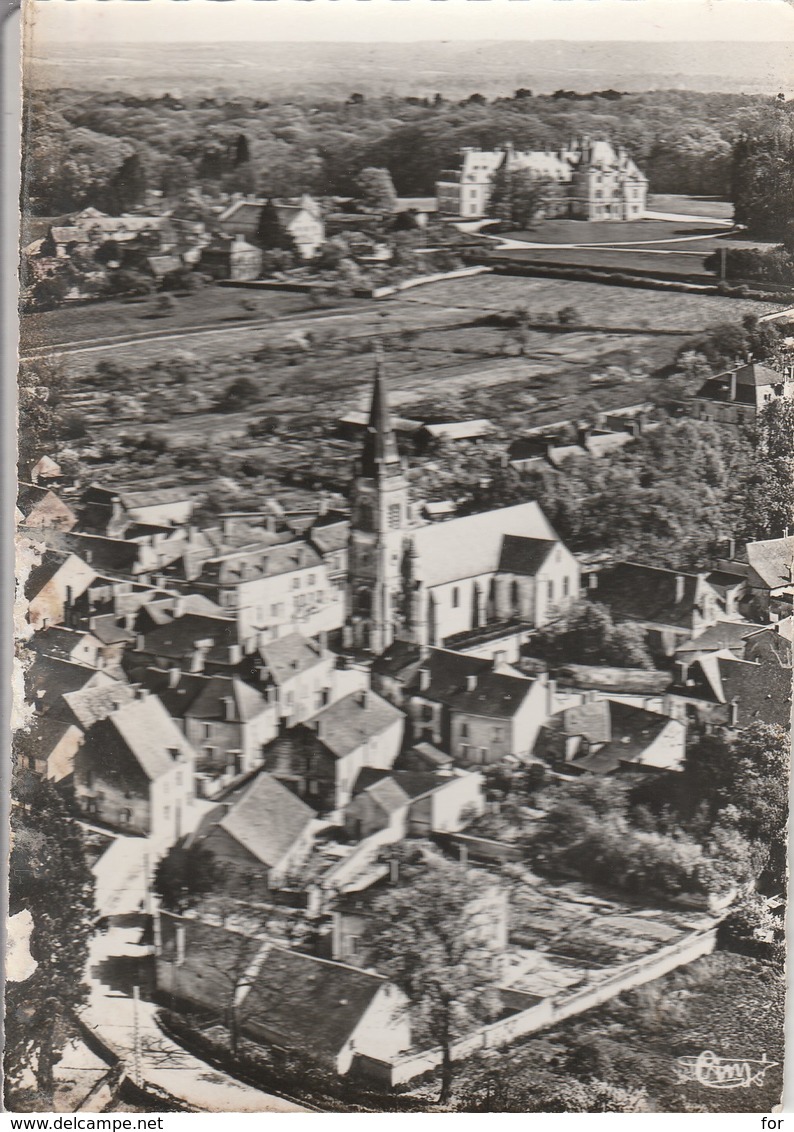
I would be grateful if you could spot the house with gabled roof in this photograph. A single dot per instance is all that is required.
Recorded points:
(767, 565)
(135, 772)
(40, 507)
(48, 679)
(321, 758)
(228, 722)
(670, 605)
(300, 672)
(415, 803)
(300, 216)
(738, 395)
(48, 747)
(717, 688)
(259, 833)
(110, 511)
(327, 1013)
(478, 710)
(76, 645)
(54, 586)
(604, 736)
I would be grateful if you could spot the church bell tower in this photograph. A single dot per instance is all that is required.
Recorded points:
(379, 517)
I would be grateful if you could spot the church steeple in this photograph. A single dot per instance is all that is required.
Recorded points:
(380, 453)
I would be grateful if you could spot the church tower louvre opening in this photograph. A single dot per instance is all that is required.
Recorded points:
(380, 514)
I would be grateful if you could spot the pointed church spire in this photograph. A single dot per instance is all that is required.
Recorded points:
(380, 444)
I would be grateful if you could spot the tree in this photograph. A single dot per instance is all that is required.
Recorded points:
(430, 936)
(271, 233)
(586, 634)
(518, 197)
(375, 189)
(185, 876)
(238, 394)
(50, 878)
(127, 187)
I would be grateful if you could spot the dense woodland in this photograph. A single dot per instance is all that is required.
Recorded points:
(107, 149)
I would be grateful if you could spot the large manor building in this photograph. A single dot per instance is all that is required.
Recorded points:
(424, 582)
(597, 180)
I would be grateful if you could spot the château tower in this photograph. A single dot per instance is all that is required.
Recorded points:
(380, 515)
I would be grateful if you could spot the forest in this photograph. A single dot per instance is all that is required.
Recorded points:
(106, 150)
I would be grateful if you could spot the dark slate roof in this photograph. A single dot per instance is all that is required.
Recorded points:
(310, 1005)
(107, 630)
(146, 730)
(176, 699)
(266, 819)
(89, 705)
(496, 694)
(632, 730)
(400, 660)
(248, 703)
(524, 555)
(47, 679)
(331, 536)
(366, 777)
(762, 691)
(179, 636)
(647, 593)
(51, 562)
(772, 560)
(424, 756)
(58, 641)
(112, 554)
(43, 735)
(29, 495)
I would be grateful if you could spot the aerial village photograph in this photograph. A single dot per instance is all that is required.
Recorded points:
(405, 557)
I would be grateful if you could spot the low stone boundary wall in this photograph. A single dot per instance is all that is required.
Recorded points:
(422, 280)
(547, 1012)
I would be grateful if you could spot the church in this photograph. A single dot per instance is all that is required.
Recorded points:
(423, 582)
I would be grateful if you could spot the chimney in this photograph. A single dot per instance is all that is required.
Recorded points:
(235, 654)
(733, 713)
(394, 871)
(592, 581)
(141, 693)
(680, 582)
(174, 674)
(322, 640)
(583, 433)
(471, 681)
(175, 753)
(681, 669)
(732, 379)
(88, 557)
(228, 707)
(731, 549)
(140, 642)
(499, 658)
(45, 622)
(363, 699)
(322, 508)
(551, 696)
(179, 606)
(424, 679)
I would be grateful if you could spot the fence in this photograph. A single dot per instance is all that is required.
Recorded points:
(548, 1011)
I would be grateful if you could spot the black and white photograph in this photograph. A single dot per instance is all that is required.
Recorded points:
(404, 558)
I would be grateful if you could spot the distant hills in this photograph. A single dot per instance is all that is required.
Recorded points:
(456, 69)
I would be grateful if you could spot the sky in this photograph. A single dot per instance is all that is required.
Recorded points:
(367, 21)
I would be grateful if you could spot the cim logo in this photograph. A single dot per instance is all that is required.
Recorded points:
(714, 1072)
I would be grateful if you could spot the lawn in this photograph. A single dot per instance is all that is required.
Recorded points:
(214, 306)
(607, 231)
(596, 303)
(647, 261)
(690, 206)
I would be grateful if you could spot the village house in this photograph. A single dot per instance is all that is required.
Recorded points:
(194, 642)
(118, 558)
(110, 511)
(604, 736)
(275, 589)
(724, 636)
(48, 747)
(54, 585)
(321, 759)
(425, 582)
(86, 706)
(46, 472)
(231, 257)
(330, 1014)
(716, 688)
(479, 711)
(669, 605)
(737, 396)
(68, 644)
(259, 834)
(768, 569)
(413, 803)
(595, 180)
(300, 217)
(48, 679)
(298, 673)
(134, 772)
(771, 642)
(41, 508)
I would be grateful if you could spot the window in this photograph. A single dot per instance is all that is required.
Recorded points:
(427, 712)
(166, 812)
(312, 579)
(125, 817)
(207, 731)
(464, 730)
(296, 583)
(179, 778)
(394, 515)
(551, 590)
(566, 586)
(455, 597)
(498, 734)
(352, 944)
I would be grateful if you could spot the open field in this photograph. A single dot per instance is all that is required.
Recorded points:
(213, 306)
(690, 206)
(726, 1003)
(597, 303)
